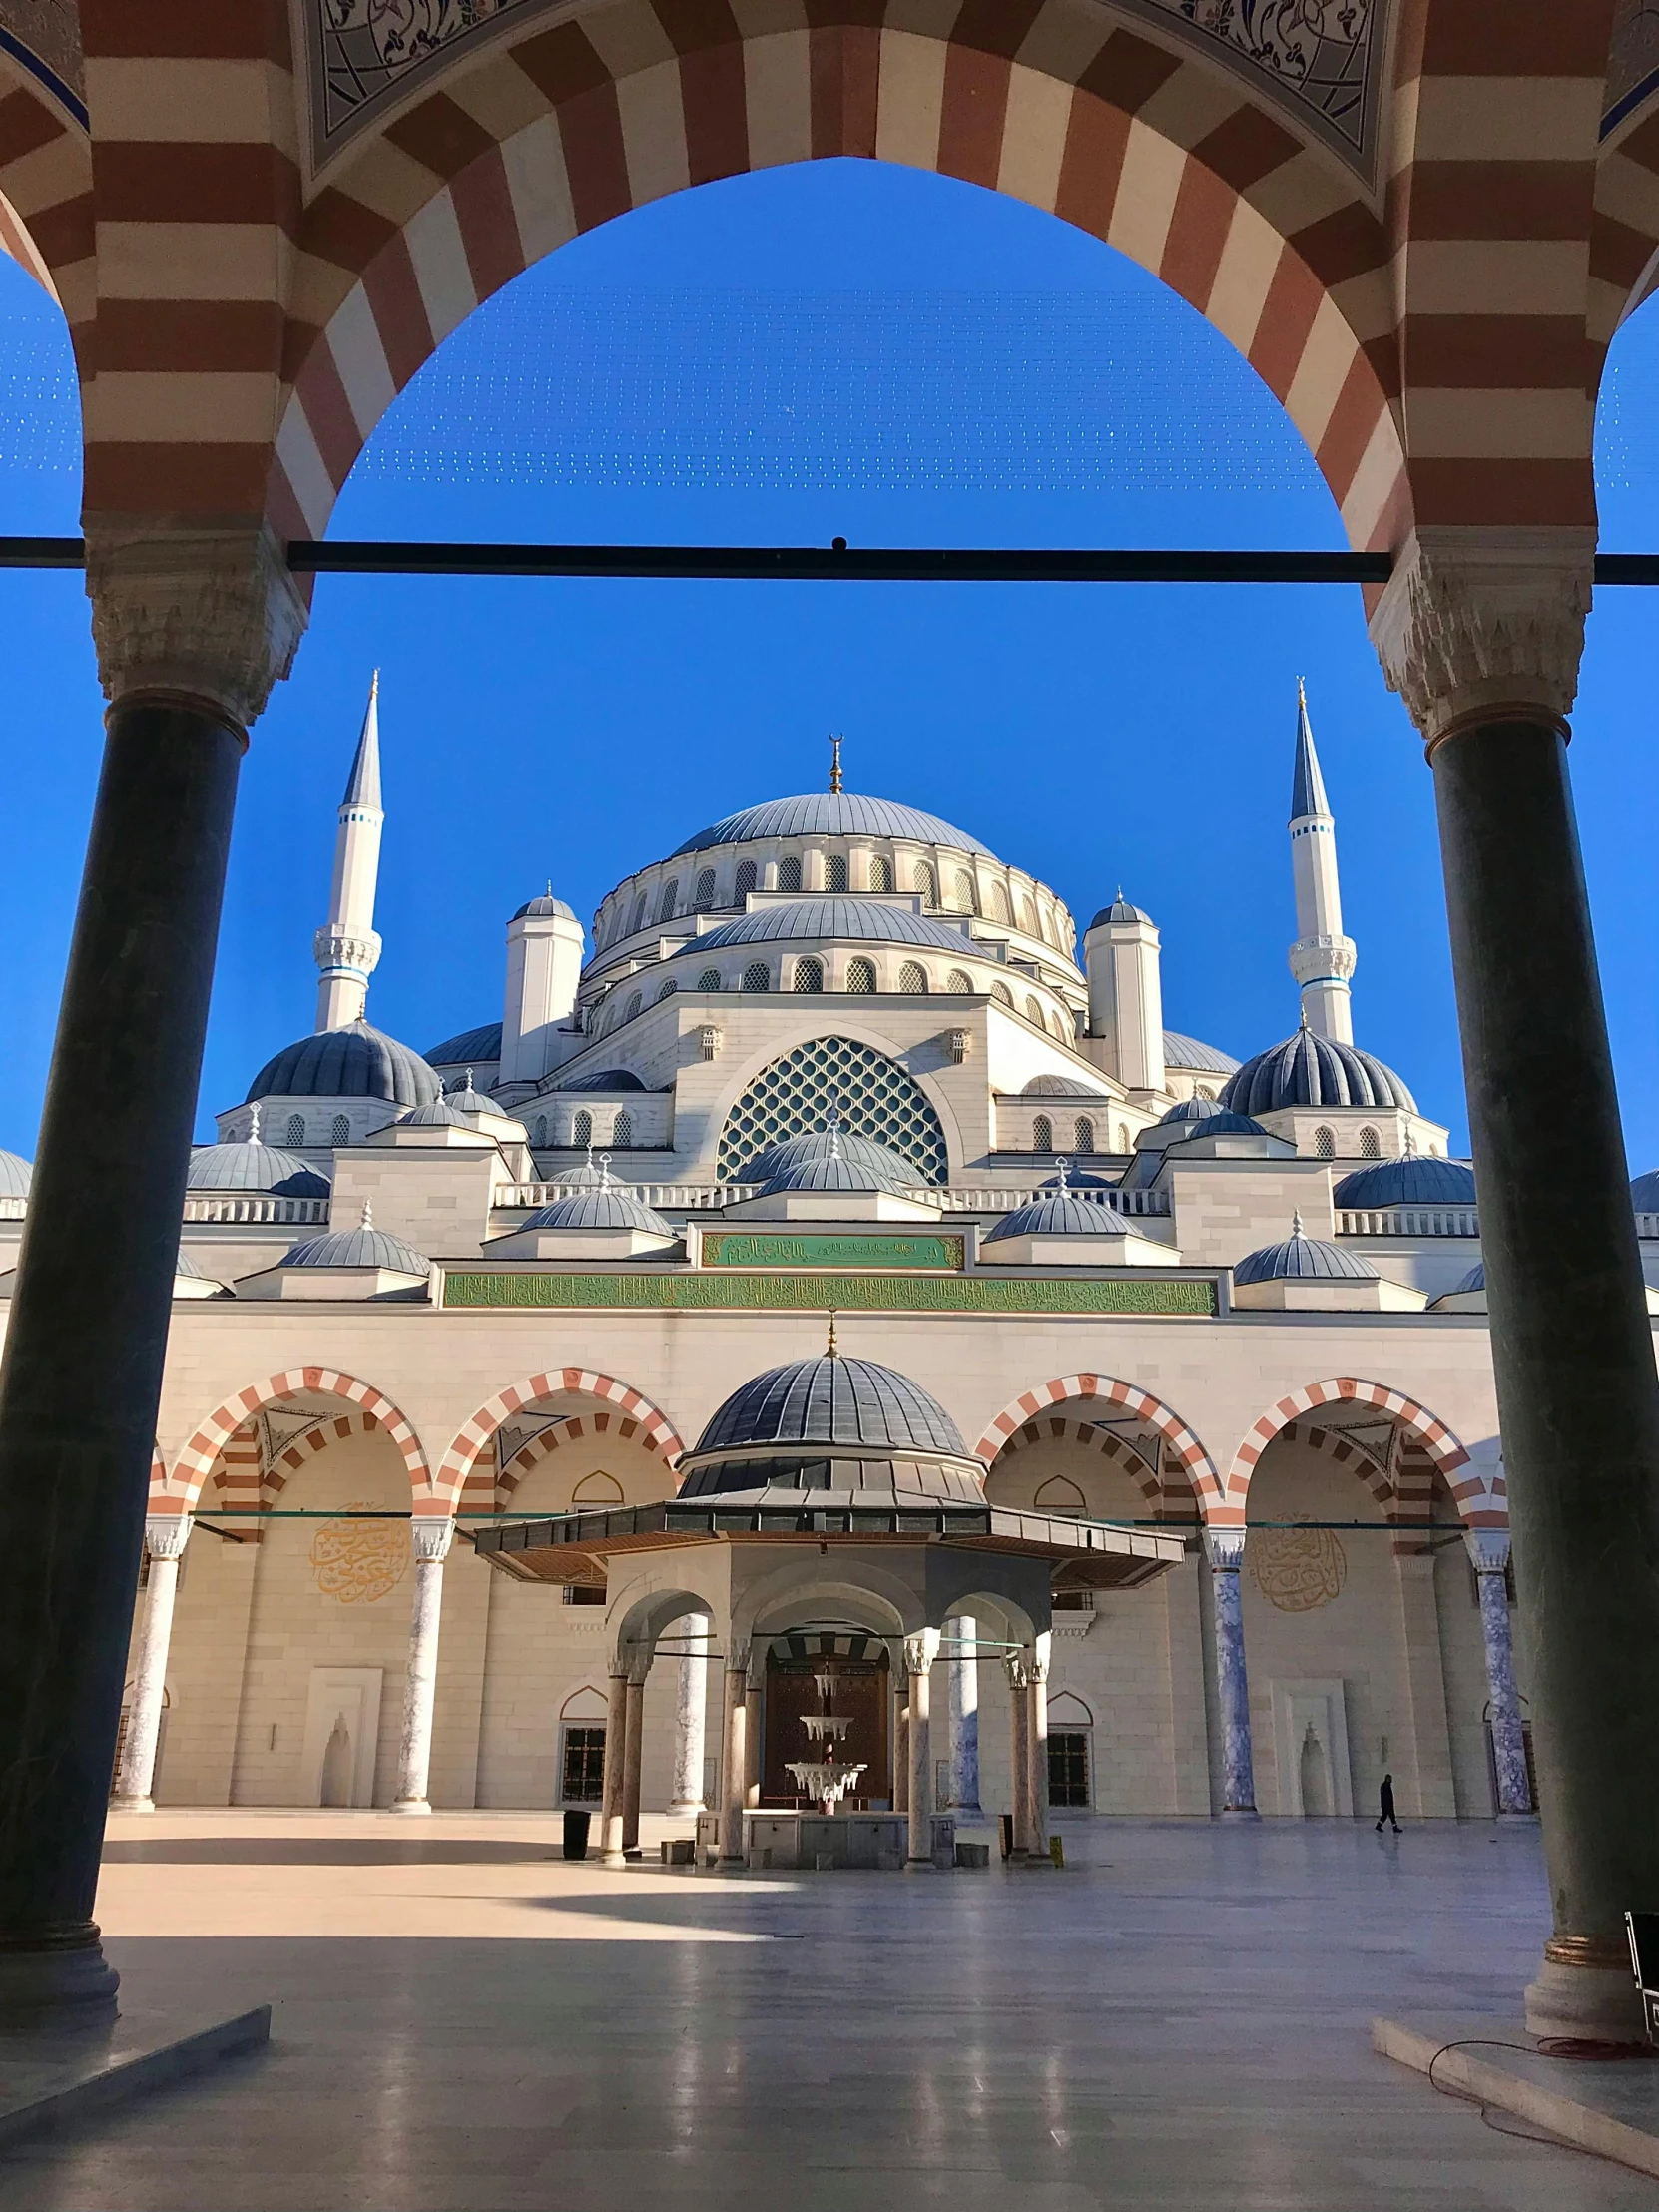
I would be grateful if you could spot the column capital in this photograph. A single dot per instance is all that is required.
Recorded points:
(1019, 1672)
(920, 1650)
(431, 1537)
(1480, 622)
(1489, 1548)
(192, 609)
(165, 1534)
(1037, 1657)
(1224, 1549)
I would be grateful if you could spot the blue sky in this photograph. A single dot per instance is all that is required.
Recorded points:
(840, 349)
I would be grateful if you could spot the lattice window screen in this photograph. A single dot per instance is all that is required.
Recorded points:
(874, 1096)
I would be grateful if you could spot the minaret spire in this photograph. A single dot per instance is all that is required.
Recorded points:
(1322, 958)
(347, 947)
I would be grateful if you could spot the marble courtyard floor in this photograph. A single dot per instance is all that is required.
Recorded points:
(461, 2021)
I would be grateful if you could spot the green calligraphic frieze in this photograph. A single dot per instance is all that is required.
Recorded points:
(772, 1248)
(784, 1291)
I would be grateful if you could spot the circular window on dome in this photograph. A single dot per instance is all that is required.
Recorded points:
(872, 1096)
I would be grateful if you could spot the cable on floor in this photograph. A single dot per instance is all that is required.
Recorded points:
(1550, 2046)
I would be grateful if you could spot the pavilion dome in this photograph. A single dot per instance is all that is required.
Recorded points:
(354, 1062)
(472, 1048)
(1413, 1181)
(1196, 1058)
(833, 1170)
(817, 1144)
(364, 1247)
(1207, 1117)
(1060, 1214)
(835, 920)
(1303, 1259)
(1060, 1086)
(831, 1403)
(254, 1166)
(15, 1175)
(832, 814)
(606, 1206)
(1309, 1070)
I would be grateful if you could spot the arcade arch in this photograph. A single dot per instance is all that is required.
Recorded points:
(1119, 1408)
(640, 1422)
(195, 1462)
(1372, 1407)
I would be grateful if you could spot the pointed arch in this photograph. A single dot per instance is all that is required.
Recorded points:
(196, 1461)
(1059, 1389)
(656, 1431)
(627, 1427)
(1433, 1439)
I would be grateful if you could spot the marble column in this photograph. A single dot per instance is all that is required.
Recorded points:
(616, 1745)
(165, 1537)
(1224, 1548)
(1036, 1745)
(632, 1753)
(1489, 1548)
(919, 1653)
(734, 1757)
(752, 1745)
(430, 1539)
(962, 1688)
(1019, 1739)
(690, 1710)
(902, 1758)
(1482, 630)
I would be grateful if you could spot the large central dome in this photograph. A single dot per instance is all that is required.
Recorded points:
(832, 814)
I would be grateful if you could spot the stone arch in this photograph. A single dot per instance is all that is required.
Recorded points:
(196, 1461)
(1189, 1453)
(1426, 1432)
(246, 1481)
(1150, 150)
(627, 1427)
(656, 1431)
(1057, 1428)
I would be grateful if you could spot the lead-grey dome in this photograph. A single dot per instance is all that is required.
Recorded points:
(607, 1079)
(472, 1048)
(1202, 1059)
(832, 814)
(1475, 1280)
(817, 1144)
(838, 920)
(833, 1170)
(1307, 1070)
(365, 1247)
(837, 1404)
(1302, 1259)
(1414, 1181)
(1061, 1215)
(353, 1062)
(1644, 1192)
(544, 908)
(607, 1206)
(1060, 1086)
(15, 1175)
(253, 1165)
(1119, 910)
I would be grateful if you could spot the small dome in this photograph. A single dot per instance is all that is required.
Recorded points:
(544, 908)
(1302, 1259)
(1077, 1179)
(1413, 1181)
(608, 1079)
(1061, 1215)
(253, 1165)
(1309, 1070)
(1644, 1192)
(835, 920)
(1196, 1058)
(1060, 1086)
(832, 814)
(1190, 1109)
(15, 1175)
(1475, 1280)
(606, 1206)
(1119, 910)
(814, 1145)
(457, 1109)
(1219, 1122)
(472, 1048)
(833, 1170)
(851, 1405)
(353, 1062)
(362, 1247)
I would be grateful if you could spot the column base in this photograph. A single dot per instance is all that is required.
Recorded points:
(685, 1808)
(132, 1805)
(1238, 1812)
(1597, 2002)
(57, 1985)
(612, 1859)
(416, 1805)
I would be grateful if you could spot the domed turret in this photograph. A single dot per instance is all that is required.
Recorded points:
(1312, 1275)
(254, 1166)
(607, 1206)
(1060, 1214)
(362, 1247)
(1302, 1259)
(355, 1062)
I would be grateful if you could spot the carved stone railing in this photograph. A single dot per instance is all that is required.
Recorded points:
(254, 1207)
(689, 1197)
(1410, 1221)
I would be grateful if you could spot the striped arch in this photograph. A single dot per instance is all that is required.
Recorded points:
(626, 1426)
(1161, 156)
(196, 1460)
(1056, 1427)
(46, 217)
(239, 1480)
(458, 1471)
(1188, 1453)
(1429, 1435)
(1326, 1442)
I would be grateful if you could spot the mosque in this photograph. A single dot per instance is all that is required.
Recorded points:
(823, 1285)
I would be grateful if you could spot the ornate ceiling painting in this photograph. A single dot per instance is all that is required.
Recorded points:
(363, 56)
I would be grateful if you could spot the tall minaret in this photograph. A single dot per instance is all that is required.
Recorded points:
(1322, 958)
(347, 947)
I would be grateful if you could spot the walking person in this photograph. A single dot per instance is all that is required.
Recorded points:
(1388, 1805)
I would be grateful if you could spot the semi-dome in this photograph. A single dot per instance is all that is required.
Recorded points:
(364, 1247)
(254, 1167)
(1060, 1086)
(472, 1048)
(607, 1079)
(544, 909)
(832, 814)
(831, 1403)
(1302, 1258)
(840, 920)
(818, 1144)
(1197, 1059)
(1413, 1181)
(1309, 1070)
(1060, 1214)
(15, 1175)
(354, 1062)
(606, 1206)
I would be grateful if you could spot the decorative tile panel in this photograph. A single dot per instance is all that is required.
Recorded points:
(727, 1248)
(900, 1293)
(362, 56)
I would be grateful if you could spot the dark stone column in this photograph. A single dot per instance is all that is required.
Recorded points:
(83, 1362)
(1572, 1344)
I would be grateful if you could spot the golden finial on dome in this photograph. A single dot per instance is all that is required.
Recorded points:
(834, 764)
(832, 1352)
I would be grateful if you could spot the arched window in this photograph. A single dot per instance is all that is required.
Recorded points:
(1123, 1136)
(704, 895)
(1000, 910)
(669, 901)
(709, 980)
(1042, 1134)
(1049, 931)
(581, 1128)
(1371, 1147)
(622, 1129)
(808, 977)
(1059, 1495)
(341, 1131)
(962, 895)
(1003, 995)
(881, 872)
(634, 1002)
(789, 874)
(1324, 1144)
(927, 884)
(834, 872)
(860, 974)
(747, 879)
(1035, 1011)
(1056, 1027)
(598, 1488)
(1082, 1138)
(637, 919)
(756, 976)
(1029, 917)
(540, 1132)
(667, 990)
(874, 1095)
(912, 979)
(296, 1129)
(958, 982)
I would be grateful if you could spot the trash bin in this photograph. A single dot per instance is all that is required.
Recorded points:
(576, 1834)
